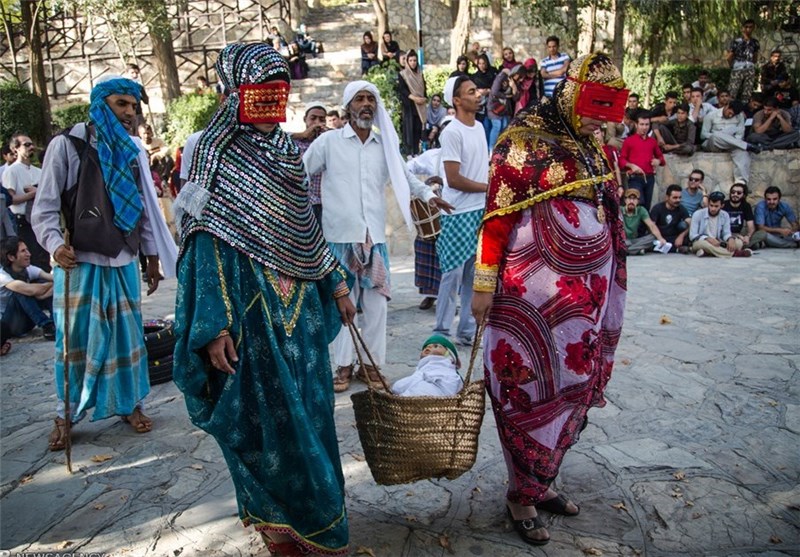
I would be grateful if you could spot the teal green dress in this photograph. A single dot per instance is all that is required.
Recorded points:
(273, 419)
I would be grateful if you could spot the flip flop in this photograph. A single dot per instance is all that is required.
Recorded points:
(557, 505)
(6, 348)
(57, 440)
(140, 423)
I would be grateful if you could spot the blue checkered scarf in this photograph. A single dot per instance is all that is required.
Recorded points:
(117, 151)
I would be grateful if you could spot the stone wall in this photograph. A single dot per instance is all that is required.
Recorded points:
(770, 168)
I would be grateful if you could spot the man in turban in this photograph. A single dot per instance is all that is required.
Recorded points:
(550, 282)
(260, 296)
(356, 163)
(98, 176)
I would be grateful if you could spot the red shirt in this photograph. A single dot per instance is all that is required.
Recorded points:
(640, 151)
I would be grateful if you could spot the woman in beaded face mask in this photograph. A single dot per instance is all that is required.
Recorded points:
(550, 283)
(260, 296)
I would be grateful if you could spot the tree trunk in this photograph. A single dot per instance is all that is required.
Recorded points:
(460, 33)
(497, 29)
(382, 15)
(618, 50)
(572, 26)
(30, 13)
(593, 26)
(10, 38)
(164, 52)
(297, 12)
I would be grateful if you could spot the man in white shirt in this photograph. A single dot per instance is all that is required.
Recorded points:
(21, 180)
(188, 155)
(465, 160)
(554, 66)
(26, 292)
(723, 130)
(356, 163)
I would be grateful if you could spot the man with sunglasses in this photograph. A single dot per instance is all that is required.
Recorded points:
(710, 231)
(21, 180)
(743, 224)
(694, 197)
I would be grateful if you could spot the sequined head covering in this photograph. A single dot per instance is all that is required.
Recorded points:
(248, 188)
(116, 150)
(595, 67)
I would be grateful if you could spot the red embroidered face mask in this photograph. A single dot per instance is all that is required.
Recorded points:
(263, 103)
(601, 102)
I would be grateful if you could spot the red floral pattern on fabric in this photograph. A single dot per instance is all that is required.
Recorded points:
(568, 208)
(590, 295)
(514, 285)
(508, 368)
(582, 356)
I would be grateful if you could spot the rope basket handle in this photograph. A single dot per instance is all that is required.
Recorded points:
(358, 340)
(354, 334)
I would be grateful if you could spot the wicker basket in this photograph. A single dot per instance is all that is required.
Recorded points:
(407, 439)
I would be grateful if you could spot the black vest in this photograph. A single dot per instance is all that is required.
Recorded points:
(87, 209)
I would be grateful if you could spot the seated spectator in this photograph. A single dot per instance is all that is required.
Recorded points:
(665, 110)
(203, 87)
(723, 131)
(710, 231)
(772, 73)
(297, 62)
(672, 219)
(743, 225)
(462, 65)
(276, 38)
(677, 136)
(769, 216)
(687, 93)
(369, 53)
(334, 120)
(530, 87)
(26, 292)
(755, 104)
(390, 50)
(795, 114)
(697, 108)
(433, 123)
(723, 98)
(709, 89)
(509, 62)
(785, 93)
(305, 42)
(694, 197)
(639, 155)
(633, 217)
(772, 127)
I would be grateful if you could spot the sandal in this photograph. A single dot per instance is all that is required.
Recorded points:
(557, 505)
(6, 348)
(283, 549)
(371, 376)
(139, 422)
(528, 526)
(341, 382)
(57, 440)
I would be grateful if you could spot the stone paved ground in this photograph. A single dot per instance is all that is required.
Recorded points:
(697, 452)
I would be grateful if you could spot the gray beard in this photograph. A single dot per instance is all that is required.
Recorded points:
(364, 124)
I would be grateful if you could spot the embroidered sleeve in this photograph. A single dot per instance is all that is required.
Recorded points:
(492, 241)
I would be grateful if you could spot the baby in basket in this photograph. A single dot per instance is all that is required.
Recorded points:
(436, 373)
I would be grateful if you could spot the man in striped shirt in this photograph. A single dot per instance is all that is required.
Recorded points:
(554, 65)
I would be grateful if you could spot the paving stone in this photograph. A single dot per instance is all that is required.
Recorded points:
(648, 453)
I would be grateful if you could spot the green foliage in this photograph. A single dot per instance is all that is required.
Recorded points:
(188, 114)
(669, 77)
(20, 110)
(435, 78)
(385, 79)
(70, 115)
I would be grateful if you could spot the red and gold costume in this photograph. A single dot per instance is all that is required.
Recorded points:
(552, 249)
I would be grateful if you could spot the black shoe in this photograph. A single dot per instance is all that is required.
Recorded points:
(49, 331)
(753, 148)
(427, 302)
(527, 527)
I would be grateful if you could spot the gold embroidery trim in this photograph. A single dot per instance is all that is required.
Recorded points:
(485, 279)
(547, 195)
(223, 285)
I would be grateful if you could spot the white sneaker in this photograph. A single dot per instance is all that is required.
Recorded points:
(699, 253)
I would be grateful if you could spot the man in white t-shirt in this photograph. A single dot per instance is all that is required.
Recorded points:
(21, 179)
(188, 155)
(26, 292)
(465, 163)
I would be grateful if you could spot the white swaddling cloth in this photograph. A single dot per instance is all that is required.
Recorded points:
(434, 376)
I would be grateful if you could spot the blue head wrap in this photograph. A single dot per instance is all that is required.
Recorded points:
(117, 151)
